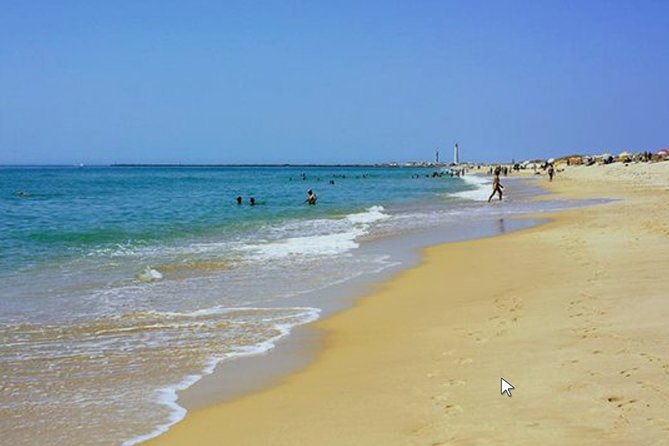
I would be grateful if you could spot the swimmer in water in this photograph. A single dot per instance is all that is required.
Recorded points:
(311, 197)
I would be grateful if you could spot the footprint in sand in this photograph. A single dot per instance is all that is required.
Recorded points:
(452, 409)
(587, 333)
(629, 372)
(656, 360)
(443, 402)
(570, 362)
(578, 387)
(512, 304)
(477, 336)
(621, 401)
(448, 407)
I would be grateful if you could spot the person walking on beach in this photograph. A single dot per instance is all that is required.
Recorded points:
(496, 186)
(551, 172)
(311, 197)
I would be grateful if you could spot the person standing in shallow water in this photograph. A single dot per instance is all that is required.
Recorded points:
(551, 172)
(496, 186)
(311, 197)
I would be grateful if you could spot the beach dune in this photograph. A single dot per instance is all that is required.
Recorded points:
(573, 313)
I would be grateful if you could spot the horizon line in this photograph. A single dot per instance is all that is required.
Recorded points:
(121, 165)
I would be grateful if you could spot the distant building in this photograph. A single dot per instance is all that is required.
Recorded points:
(456, 154)
(436, 156)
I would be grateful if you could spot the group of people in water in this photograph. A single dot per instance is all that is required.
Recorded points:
(497, 186)
(252, 200)
(303, 177)
(310, 200)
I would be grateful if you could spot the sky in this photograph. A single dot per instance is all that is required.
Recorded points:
(329, 82)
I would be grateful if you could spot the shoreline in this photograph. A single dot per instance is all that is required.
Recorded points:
(239, 376)
(183, 334)
(247, 374)
(355, 348)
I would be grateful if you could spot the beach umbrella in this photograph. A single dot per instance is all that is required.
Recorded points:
(550, 160)
(624, 155)
(663, 152)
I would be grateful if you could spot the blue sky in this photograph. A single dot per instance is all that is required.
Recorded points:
(289, 81)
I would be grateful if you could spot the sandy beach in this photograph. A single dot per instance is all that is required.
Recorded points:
(573, 313)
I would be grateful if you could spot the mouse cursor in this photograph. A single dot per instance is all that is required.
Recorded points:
(506, 387)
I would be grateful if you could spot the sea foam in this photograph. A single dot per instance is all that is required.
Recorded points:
(168, 396)
(332, 237)
(480, 188)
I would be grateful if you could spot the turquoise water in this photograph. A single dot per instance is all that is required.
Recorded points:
(68, 212)
(121, 286)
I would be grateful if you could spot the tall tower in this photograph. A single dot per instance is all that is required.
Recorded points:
(436, 156)
(456, 154)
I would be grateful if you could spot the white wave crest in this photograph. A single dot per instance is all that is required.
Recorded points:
(371, 215)
(481, 189)
(323, 243)
(149, 275)
(168, 396)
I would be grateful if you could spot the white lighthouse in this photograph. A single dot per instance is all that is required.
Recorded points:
(456, 154)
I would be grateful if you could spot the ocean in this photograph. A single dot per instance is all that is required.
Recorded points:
(120, 286)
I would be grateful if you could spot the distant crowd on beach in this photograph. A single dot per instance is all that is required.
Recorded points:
(552, 166)
(498, 188)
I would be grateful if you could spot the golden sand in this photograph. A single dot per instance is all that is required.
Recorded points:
(574, 313)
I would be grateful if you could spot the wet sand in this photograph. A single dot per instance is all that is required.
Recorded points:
(573, 313)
